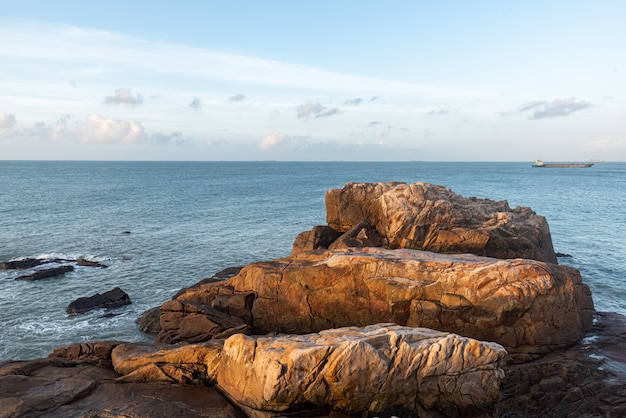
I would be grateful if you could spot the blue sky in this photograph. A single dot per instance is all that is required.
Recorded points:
(326, 80)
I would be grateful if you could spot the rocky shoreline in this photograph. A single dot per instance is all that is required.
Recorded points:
(412, 301)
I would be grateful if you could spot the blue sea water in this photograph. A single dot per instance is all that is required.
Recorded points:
(188, 220)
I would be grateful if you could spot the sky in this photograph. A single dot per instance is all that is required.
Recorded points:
(325, 80)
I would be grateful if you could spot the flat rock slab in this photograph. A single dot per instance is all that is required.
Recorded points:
(529, 307)
(52, 388)
(374, 368)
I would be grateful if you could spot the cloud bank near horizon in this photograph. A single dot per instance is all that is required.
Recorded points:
(318, 107)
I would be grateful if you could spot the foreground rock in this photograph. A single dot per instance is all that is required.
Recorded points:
(54, 388)
(527, 306)
(586, 380)
(427, 217)
(375, 369)
(108, 300)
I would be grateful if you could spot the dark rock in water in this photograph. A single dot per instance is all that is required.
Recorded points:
(562, 255)
(47, 273)
(24, 264)
(87, 263)
(126, 232)
(150, 321)
(111, 299)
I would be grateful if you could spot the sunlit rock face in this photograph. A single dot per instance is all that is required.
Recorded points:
(428, 217)
(373, 369)
(528, 306)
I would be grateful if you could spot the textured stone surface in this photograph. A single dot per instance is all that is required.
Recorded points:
(54, 388)
(190, 363)
(373, 369)
(194, 321)
(428, 217)
(528, 306)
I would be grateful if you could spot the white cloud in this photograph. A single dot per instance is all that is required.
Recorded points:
(284, 142)
(316, 110)
(101, 130)
(353, 102)
(195, 104)
(237, 98)
(556, 108)
(123, 96)
(7, 120)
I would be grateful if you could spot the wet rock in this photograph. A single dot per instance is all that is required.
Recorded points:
(111, 299)
(21, 264)
(88, 263)
(46, 273)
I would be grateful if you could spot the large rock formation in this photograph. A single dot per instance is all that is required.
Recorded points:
(528, 306)
(374, 369)
(427, 217)
(586, 380)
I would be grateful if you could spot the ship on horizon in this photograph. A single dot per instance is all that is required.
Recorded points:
(541, 164)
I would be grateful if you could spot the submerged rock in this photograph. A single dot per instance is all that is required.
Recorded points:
(46, 273)
(23, 264)
(111, 299)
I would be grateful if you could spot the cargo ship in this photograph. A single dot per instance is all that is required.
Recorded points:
(540, 163)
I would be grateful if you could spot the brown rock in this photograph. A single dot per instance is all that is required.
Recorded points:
(427, 217)
(320, 237)
(53, 389)
(90, 352)
(150, 321)
(374, 369)
(191, 363)
(193, 321)
(528, 306)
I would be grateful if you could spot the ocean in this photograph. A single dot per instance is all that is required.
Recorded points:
(161, 226)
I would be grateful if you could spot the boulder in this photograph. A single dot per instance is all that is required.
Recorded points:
(150, 321)
(189, 363)
(318, 237)
(111, 299)
(56, 389)
(193, 321)
(428, 217)
(527, 306)
(89, 352)
(46, 273)
(375, 369)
